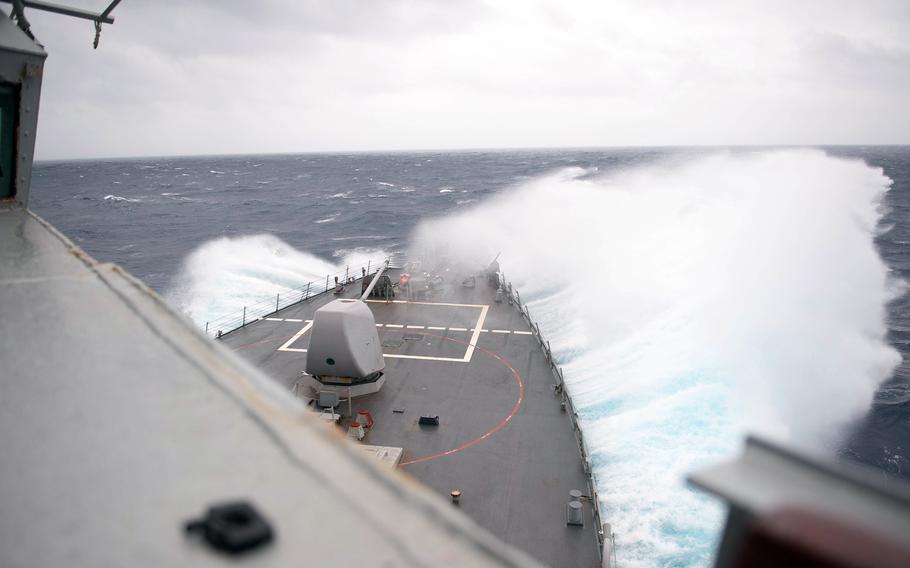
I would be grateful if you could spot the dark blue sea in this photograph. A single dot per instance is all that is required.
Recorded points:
(786, 264)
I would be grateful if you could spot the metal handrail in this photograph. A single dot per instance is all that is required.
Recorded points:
(566, 399)
(221, 326)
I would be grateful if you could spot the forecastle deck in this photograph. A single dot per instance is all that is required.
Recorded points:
(504, 440)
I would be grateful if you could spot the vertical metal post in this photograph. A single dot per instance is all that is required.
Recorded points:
(327, 282)
(350, 412)
(368, 266)
(346, 276)
(243, 322)
(278, 295)
(206, 328)
(307, 291)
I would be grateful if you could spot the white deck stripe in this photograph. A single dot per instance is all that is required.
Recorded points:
(416, 327)
(500, 331)
(274, 319)
(424, 358)
(436, 328)
(293, 320)
(287, 346)
(476, 336)
(394, 325)
(430, 304)
(458, 329)
(522, 332)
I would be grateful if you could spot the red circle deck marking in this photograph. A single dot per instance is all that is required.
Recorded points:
(475, 441)
(468, 444)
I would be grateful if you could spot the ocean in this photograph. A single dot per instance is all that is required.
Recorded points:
(691, 294)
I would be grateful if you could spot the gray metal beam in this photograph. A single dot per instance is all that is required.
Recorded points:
(768, 477)
(366, 293)
(103, 17)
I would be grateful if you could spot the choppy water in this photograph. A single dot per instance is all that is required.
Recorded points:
(744, 290)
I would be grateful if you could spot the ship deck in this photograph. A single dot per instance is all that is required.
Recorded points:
(502, 440)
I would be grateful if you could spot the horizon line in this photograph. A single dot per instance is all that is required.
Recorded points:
(463, 150)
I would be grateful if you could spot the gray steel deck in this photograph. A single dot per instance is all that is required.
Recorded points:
(502, 440)
(119, 422)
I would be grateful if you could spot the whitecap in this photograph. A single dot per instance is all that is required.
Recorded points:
(117, 198)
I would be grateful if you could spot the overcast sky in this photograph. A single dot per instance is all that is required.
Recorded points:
(221, 77)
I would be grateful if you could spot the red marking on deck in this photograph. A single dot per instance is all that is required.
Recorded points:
(481, 438)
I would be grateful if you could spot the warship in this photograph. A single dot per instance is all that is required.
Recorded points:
(440, 371)
(404, 413)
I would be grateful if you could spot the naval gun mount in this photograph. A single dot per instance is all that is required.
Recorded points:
(345, 355)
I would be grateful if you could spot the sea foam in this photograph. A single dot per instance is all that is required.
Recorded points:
(689, 302)
(221, 276)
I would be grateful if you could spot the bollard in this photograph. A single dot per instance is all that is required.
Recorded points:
(575, 514)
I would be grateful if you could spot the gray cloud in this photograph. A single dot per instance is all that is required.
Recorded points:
(282, 76)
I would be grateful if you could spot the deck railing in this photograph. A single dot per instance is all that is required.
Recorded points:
(604, 530)
(288, 297)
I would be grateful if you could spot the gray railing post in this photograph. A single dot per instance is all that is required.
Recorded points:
(307, 297)
(243, 321)
(368, 266)
(327, 282)
(278, 295)
(206, 328)
(346, 275)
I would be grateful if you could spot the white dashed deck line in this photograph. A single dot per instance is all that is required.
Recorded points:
(404, 326)
(424, 357)
(480, 330)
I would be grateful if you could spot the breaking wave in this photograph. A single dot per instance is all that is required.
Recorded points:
(120, 199)
(223, 275)
(690, 302)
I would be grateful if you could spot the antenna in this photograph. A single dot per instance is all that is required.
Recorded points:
(19, 6)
